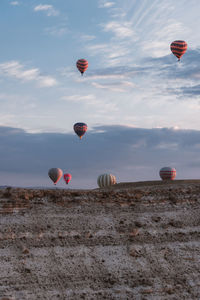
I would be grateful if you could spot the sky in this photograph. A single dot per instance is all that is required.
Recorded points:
(141, 105)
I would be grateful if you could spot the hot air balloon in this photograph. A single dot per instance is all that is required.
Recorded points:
(178, 48)
(168, 173)
(80, 129)
(55, 174)
(82, 65)
(106, 180)
(67, 177)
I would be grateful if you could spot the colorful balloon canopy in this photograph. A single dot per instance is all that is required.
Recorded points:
(168, 173)
(67, 177)
(82, 65)
(178, 48)
(55, 174)
(80, 129)
(106, 180)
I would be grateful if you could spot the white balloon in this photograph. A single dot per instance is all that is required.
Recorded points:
(106, 180)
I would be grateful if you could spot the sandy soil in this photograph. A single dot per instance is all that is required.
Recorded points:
(131, 241)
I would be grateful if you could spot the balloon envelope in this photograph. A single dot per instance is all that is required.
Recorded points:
(67, 177)
(82, 65)
(80, 129)
(55, 174)
(168, 173)
(178, 48)
(106, 180)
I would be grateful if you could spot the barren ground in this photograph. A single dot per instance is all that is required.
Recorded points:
(132, 241)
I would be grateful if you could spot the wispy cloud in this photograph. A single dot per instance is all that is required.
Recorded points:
(96, 76)
(14, 3)
(106, 4)
(178, 78)
(118, 48)
(119, 86)
(8, 120)
(103, 106)
(112, 53)
(14, 69)
(58, 31)
(120, 29)
(193, 91)
(118, 72)
(87, 37)
(46, 81)
(85, 99)
(138, 29)
(158, 41)
(48, 9)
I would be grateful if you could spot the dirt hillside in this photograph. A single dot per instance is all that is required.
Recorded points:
(132, 241)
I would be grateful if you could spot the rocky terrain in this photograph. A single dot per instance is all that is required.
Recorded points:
(131, 241)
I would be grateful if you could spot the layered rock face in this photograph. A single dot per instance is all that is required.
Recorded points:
(127, 242)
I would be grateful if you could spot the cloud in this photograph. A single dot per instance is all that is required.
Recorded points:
(111, 54)
(132, 154)
(46, 81)
(118, 48)
(165, 76)
(118, 72)
(108, 73)
(48, 9)
(103, 106)
(158, 42)
(85, 99)
(14, 69)
(191, 90)
(120, 29)
(119, 86)
(106, 4)
(87, 37)
(180, 78)
(14, 3)
(58, 31)
(144, 29)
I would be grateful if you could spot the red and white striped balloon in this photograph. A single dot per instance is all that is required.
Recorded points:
(82, 65)
(168, 173)
(178, 48)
